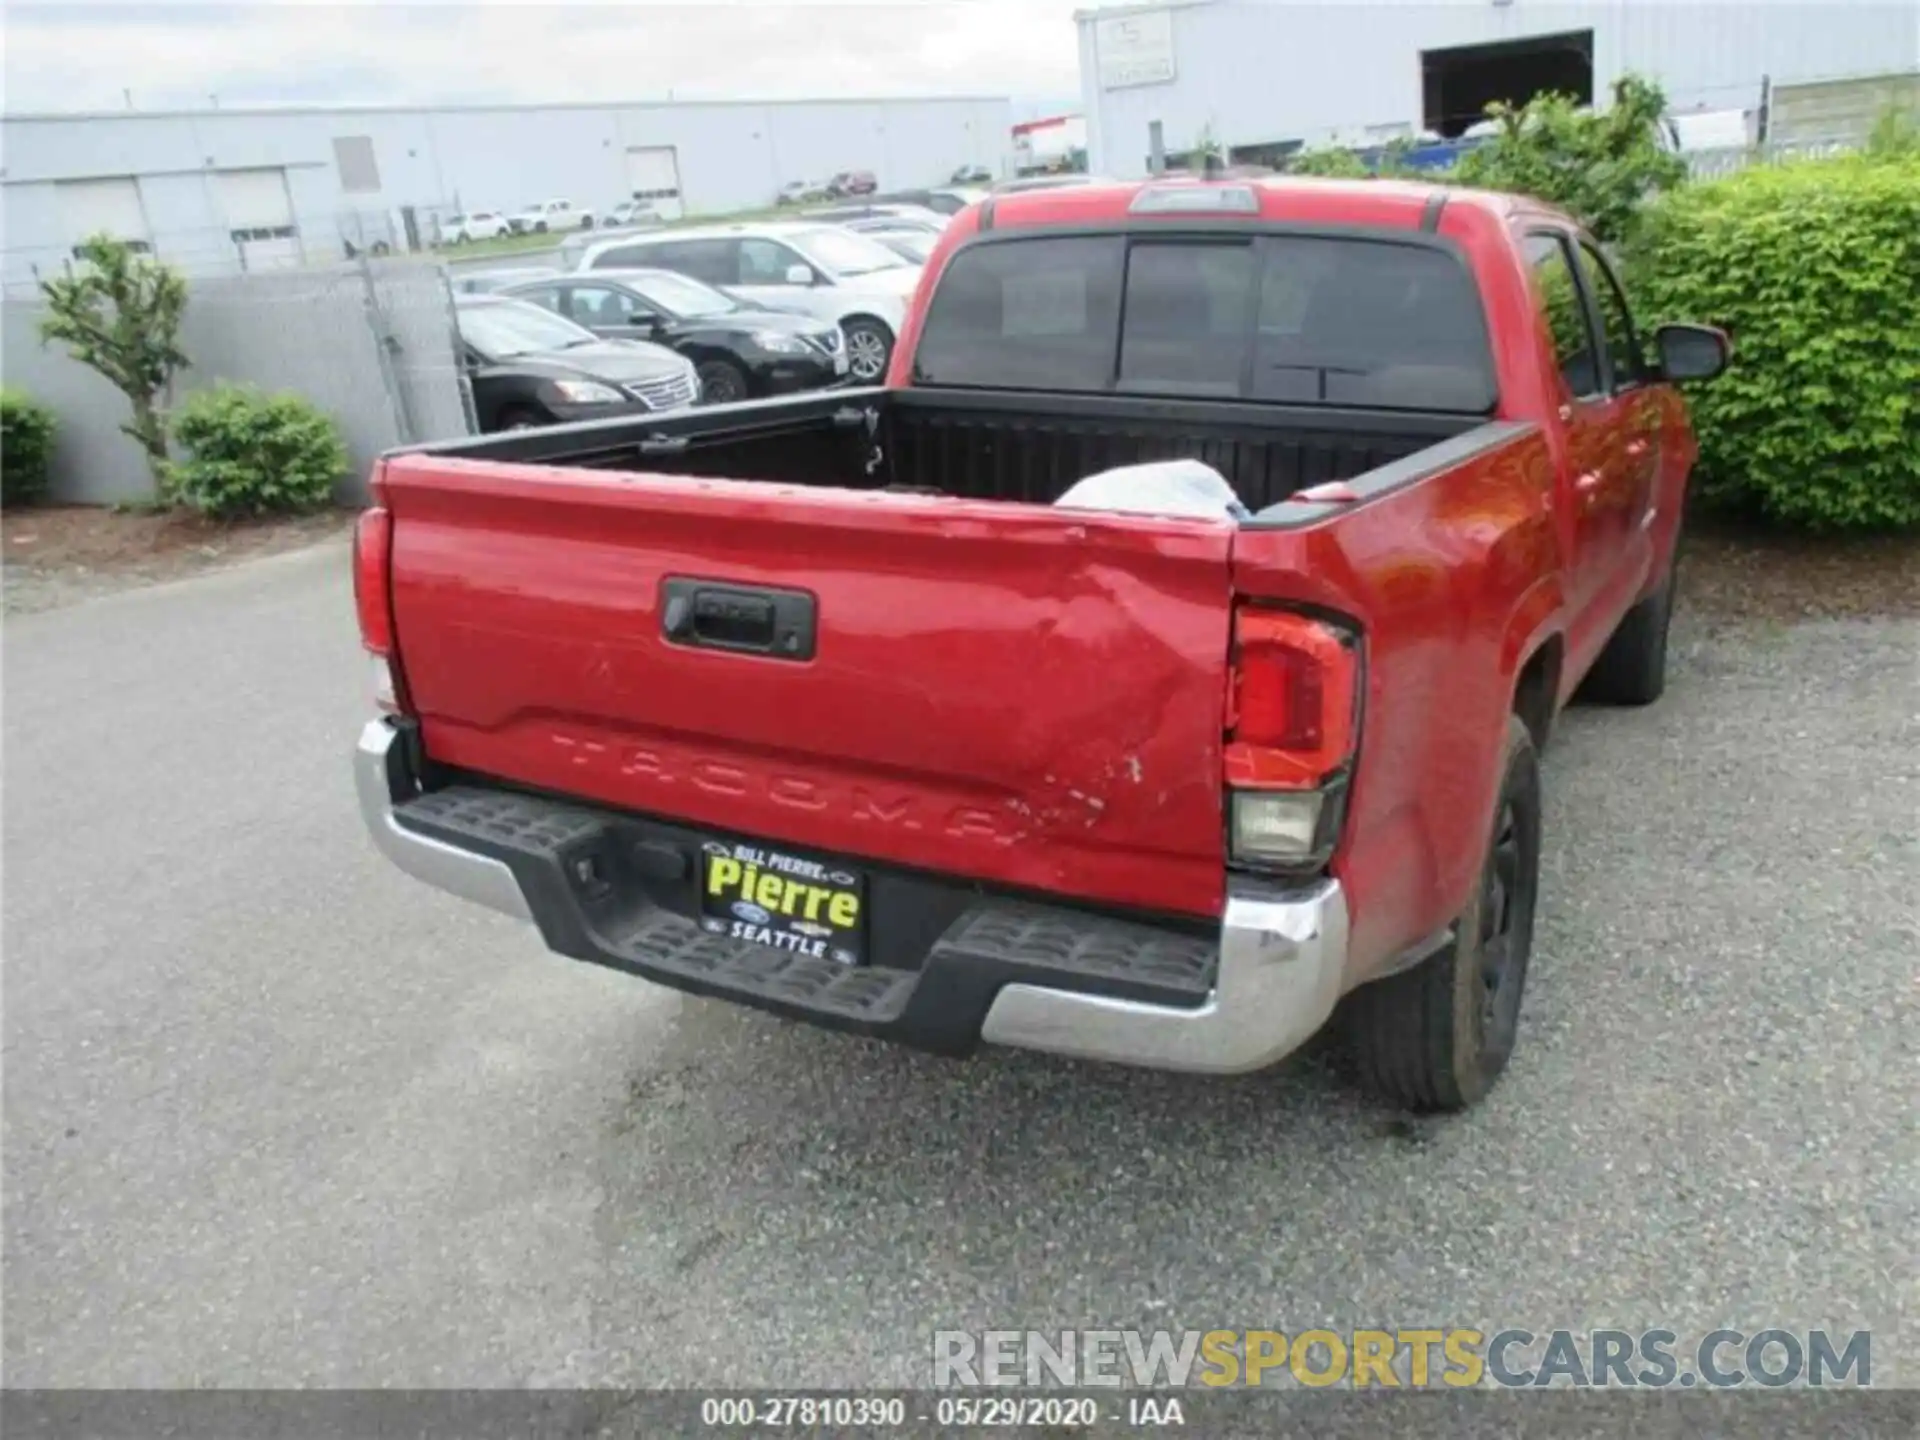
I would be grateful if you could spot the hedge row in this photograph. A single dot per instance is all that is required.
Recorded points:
(1813, 267)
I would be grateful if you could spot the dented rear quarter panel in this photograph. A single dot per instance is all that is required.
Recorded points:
(1453, 580)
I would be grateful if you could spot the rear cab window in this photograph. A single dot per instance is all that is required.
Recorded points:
(1300, 319)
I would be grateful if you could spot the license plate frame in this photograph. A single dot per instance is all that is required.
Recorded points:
(784, 901)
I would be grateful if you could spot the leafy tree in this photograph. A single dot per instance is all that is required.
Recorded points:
(119, 313)
(1600, 168)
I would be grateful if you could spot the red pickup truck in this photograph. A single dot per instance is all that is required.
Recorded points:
(823, 705)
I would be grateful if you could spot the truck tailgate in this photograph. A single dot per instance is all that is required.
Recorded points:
(1019, 695)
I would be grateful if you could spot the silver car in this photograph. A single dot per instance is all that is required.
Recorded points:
(813, 269)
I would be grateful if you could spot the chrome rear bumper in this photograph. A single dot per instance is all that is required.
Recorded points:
(1281, 961)
(382, 782)
(1282, 954)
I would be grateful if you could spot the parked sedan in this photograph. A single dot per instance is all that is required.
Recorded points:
(798, 192)
(853, 182)
(804, 268)
(480, 225)
(634, 213)
(548, 215)
(947, 200)
(858, 217)
(529, 367)
(971, 175)
(895, 224)
(740, 350)
(486, 282)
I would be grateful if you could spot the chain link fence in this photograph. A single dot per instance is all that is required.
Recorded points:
(372, 342)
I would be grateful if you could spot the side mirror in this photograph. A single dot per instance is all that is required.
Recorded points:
(799, 275)
(1691, 352)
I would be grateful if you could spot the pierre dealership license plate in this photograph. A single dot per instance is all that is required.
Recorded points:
(785, 902)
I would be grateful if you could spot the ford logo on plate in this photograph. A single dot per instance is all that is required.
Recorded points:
(750, 913)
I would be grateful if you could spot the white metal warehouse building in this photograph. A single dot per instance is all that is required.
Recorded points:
(222, 190)
(1265, 76)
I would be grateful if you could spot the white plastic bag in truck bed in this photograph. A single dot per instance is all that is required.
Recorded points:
(1160, 487)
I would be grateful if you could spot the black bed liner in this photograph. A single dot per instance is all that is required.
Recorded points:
(985, 445)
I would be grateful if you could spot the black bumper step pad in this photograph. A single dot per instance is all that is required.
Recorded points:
(592, 902)
(673, 943)
(1090, 945)
(526, 824)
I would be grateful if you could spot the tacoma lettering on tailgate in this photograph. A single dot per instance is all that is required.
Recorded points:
(886, 809)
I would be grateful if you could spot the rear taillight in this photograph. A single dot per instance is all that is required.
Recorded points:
(372, 545)
(1293, 712)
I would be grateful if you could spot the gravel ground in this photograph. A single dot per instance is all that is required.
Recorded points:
(276, 1115)
(60, 555)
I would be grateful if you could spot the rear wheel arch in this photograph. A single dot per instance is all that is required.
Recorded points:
(1536, 689)
(1435, 1037)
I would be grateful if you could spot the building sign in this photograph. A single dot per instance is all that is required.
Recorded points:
(1134, 49)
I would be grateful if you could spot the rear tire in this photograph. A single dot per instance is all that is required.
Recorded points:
(1436, 1037)
(1632, 670)
(722, 383)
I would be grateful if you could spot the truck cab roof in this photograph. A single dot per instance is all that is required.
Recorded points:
(1390, 203)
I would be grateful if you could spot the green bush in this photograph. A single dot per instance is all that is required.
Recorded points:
(26, 448)
(250, 453)
(1601, 168)
(1814, 269)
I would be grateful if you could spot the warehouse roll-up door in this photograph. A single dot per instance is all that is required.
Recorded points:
(96, 207)
(653, 175)
(260, 218)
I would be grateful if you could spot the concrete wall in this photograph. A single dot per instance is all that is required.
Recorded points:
(1267, 70)
(372, 346)
(1841, 109)
(93, 463)
(731, 156)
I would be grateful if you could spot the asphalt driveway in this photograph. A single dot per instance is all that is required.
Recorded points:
(276, 1115)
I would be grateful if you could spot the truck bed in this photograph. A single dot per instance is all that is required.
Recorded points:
(1023, 448)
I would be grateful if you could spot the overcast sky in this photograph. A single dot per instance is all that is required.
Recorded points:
(83, 55)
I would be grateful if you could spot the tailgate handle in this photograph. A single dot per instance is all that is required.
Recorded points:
(746, 619)
(663, 445)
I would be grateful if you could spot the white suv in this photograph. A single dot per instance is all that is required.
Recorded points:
(818, 270)
(551, 215)
(480, 225)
